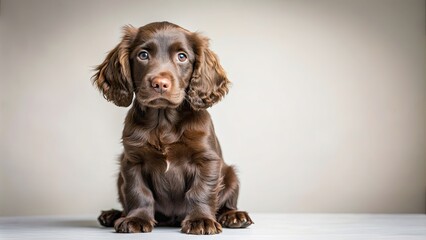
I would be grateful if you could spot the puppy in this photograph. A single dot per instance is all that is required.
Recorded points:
(171, 171)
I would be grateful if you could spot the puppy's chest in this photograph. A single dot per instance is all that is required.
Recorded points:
(166, 153)
(162, 139)
(167, 172)
(167, 157)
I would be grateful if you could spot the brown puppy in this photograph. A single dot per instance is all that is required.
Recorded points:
(172, 171)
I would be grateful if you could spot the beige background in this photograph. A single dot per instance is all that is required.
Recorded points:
(327, 112)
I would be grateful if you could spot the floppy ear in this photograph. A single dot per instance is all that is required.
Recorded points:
(113, 76)
(209, 83)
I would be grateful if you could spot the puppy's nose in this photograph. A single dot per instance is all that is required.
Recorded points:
(161, 84)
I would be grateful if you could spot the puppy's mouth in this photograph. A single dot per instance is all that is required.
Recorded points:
(160, 101)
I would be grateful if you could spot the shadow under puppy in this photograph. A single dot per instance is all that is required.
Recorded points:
(171, 171)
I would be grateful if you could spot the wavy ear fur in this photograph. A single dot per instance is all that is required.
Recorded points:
(113, 76)
(209, 83)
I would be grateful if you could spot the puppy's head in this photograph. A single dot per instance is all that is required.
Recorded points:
(162, 65)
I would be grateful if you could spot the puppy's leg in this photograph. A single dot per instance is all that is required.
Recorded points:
(202, 199)
(228, 215)
(137, 200)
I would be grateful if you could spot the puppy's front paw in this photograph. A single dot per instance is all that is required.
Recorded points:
(201, 226)
(133, 225)
(235, 219)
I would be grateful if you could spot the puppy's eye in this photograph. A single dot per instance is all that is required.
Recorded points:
(144, 55)
(182, 57)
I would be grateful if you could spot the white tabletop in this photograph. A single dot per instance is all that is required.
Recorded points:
(267, 226)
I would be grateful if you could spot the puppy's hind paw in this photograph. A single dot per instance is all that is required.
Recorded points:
(235, 219)
(108, 218)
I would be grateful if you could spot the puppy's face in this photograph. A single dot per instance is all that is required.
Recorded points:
(162, 64)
